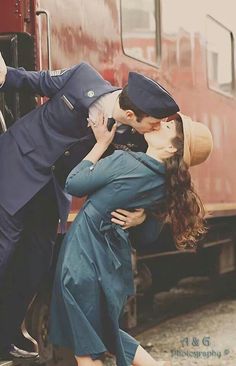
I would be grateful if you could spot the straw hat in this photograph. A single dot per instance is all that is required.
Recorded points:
(198, 142)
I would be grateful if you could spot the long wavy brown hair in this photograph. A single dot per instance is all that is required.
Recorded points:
(183, 208)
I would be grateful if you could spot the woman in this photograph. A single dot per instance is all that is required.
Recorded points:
(94, 273)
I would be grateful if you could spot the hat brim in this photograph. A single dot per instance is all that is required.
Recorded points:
(186, 122)
(198, 141)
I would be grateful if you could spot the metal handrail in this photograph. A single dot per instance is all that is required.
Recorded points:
(2, 122)
(47, 14)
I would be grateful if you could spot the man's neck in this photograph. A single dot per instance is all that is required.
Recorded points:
(118, 113)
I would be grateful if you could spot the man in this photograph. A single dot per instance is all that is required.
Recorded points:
(36, 155)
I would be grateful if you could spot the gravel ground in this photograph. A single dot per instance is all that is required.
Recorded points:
(206, 336)
(201, 329)
(203, 336)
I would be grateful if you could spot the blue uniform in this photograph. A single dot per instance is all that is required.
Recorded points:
(36, 155)
(94, 271)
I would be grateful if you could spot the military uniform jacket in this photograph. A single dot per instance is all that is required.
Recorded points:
(29, 149)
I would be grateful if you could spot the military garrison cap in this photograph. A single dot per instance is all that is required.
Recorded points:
(150, 97)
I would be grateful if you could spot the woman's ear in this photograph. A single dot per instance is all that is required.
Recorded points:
(171, 149)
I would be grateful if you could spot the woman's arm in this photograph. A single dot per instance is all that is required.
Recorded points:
(91, 174)
(87, 177)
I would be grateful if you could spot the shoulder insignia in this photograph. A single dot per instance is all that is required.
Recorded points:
(57, 72)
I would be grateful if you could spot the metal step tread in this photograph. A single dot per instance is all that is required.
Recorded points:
(6, 363)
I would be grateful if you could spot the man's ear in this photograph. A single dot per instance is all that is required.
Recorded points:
(129, 114)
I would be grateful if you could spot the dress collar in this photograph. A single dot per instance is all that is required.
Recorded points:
(155, 165)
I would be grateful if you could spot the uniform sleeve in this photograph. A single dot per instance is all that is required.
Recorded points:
(87, 177)
(146, 233)
(44, 83)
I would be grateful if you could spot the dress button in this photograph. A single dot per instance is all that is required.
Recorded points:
(67, 153)
(53, 167)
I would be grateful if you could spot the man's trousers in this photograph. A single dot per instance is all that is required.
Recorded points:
(26, 248)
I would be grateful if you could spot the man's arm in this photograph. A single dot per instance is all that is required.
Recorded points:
(144, 228)
(148, 232)
(45, 83)
(128, 219)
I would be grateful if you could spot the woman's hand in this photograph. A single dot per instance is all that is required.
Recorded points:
(103, 137)
(128, 219)
(101, 133)
(3, 70)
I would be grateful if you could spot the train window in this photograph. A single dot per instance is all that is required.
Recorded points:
(140, 24)
(220, 61)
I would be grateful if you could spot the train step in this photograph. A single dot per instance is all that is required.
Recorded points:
(6, 363)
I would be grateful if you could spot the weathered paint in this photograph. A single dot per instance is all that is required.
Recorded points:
(91, 31)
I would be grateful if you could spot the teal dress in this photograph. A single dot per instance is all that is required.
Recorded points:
(94, 272)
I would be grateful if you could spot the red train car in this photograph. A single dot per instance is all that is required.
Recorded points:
(188, 47)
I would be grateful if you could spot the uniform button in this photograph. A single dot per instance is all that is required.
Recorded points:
(67, 153)
(90, 93)
(53, 167)
(133, 131)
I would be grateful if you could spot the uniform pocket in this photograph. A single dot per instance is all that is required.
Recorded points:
(67, 103)
(23, 140)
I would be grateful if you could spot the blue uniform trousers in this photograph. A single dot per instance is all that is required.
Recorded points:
(26, 244)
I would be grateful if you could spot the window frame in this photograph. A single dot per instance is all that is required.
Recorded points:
(157, 64)
(230, 94)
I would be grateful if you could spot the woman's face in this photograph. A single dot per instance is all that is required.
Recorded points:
(163, 137)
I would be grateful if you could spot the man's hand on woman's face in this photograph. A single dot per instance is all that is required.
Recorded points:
(128, 219)
(3, 70)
